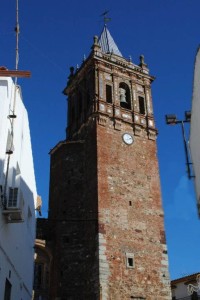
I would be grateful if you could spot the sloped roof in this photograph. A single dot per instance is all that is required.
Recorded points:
(107, 43)
(185, 278)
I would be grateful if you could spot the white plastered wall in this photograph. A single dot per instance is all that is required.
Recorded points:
(195, 127)
(17, 239)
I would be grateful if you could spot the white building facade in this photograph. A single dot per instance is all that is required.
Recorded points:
(195, 128)
(18, 196)
(186, 288)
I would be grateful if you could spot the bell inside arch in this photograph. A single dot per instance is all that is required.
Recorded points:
(122, 96)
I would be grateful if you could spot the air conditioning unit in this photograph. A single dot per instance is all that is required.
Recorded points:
(13, 207)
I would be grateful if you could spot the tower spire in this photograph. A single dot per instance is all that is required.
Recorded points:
(107, 43)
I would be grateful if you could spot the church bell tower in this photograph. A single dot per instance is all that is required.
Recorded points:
(105, 209)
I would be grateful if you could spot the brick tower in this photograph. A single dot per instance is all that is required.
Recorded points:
(105, 210)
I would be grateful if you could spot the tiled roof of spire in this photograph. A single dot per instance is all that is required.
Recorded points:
(107, 43)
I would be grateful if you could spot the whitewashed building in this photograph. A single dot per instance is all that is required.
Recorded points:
(186, 288)
(195, 128)
(18, 196)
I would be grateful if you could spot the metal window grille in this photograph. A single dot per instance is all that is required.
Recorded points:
(12, 199)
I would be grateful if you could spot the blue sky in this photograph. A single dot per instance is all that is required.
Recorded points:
(56, 34)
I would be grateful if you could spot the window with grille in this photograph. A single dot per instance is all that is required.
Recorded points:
(12, 199)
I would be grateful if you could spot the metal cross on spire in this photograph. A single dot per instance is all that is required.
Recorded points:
(105, 17)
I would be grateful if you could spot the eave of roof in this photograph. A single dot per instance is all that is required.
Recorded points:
(186, 278)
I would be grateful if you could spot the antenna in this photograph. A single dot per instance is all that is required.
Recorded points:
(17, 36)
(16, 53)
(4, 72)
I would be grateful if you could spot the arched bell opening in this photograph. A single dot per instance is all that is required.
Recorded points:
(124, 94)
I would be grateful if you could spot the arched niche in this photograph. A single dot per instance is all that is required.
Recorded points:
(125, 96)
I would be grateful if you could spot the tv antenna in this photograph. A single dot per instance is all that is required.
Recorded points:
(4, 72)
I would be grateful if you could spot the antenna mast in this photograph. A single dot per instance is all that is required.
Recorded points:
(15, 73)
(17, 36)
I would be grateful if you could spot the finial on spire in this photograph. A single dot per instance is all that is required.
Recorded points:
(95, 40)
(142, 62)
(142, 59)
(105, 17)
(71, 71)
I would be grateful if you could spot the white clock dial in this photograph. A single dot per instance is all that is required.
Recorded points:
(127, 138)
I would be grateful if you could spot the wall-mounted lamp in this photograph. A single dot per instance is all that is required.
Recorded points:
(172, 120)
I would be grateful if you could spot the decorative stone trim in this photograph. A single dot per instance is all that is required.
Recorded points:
(152, 134)
(136, 119)
(109, 110)
(137, 130)
(150, 123)
(117, 112)
(103, 120)
(118, 124)
(127, 116)
(142, 121)
(101, 107)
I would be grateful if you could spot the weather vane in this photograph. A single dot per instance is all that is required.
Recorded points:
(105, 17)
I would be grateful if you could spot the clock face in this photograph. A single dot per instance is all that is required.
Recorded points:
(127, 138)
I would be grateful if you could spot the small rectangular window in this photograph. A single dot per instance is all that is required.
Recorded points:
(12, 200)
(141, 105)
(130, 260)
(108, 93)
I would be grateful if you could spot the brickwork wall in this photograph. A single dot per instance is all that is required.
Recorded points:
(73, 219)
(119, 184)
(130, 218)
